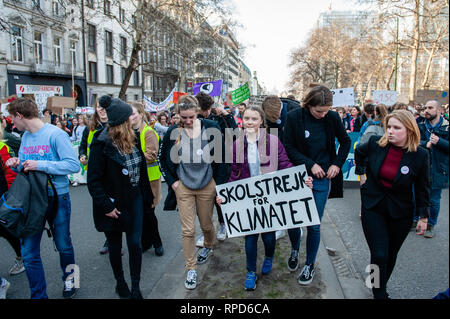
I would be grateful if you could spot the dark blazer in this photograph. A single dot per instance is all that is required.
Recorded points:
(106, 181)
(294, 143)
(369, 158)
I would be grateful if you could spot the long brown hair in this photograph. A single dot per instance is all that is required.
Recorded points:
(123, 137)
(413, 133)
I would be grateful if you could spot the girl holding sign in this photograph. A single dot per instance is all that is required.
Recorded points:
(310, 134)
(253, 154)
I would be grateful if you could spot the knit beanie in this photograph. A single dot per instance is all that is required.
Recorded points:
(118, 111)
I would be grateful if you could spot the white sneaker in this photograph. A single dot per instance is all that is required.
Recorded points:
(200, 241)
(279, 234)
(4, 286)
(222, 233)
(191, 279)
(17, 268)
(75, 184)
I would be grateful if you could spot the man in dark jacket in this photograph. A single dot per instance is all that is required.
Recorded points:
(434, 136)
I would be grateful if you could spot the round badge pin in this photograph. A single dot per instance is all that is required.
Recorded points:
(307, 134)
(278, 121)
(125, 171)
(41, 152)
(404, 170)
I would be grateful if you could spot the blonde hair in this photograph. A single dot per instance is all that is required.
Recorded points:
(139, 106)
(123, 137)
(413, 133)
(185, 102)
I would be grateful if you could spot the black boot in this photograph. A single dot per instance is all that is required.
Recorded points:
(136, 291)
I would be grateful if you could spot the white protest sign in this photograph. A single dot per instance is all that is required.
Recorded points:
(269, 202)
(41, 99)
(343, 97)
(385, 97)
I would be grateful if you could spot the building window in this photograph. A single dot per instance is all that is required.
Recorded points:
(107, 7)
(136, 97)
(90, 4)
(92, 38)
(92, 71)
(123, 71)
(94, 100)
(108, 44)
(38, 47)
(148, 86)
(109, 74)
(55, 8)
(17, 44)
(57, 51)
(123, 48)
(73, 53)
(136, 78)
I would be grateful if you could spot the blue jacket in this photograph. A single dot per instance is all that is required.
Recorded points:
(438, 153)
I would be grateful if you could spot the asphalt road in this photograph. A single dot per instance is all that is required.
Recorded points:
(422, 268)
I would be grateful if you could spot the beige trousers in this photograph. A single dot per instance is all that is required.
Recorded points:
(192, 203)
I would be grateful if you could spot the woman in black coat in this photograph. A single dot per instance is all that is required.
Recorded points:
(394, 164)
(120, 189)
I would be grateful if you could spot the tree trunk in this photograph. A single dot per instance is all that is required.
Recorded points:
(415, 52)
(130, 68)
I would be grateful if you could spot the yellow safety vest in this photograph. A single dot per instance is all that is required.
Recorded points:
(2, 145)
(89, 141)
(152, 168)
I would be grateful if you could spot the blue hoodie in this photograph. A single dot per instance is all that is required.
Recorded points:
(51, 147)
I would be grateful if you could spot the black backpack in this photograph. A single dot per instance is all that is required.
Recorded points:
(23, 208)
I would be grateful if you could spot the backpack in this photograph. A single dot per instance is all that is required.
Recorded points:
(23, 208)
(372, 130)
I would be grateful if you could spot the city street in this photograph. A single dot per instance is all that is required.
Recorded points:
(421, 272)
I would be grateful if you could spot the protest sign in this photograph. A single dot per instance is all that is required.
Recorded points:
(343, 97)
(81, 176)
(213, 88)
(151, 106)
(241, 94)
(269, 202)
(385, 97)
(256, 100)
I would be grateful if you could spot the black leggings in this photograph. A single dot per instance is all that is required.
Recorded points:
(384, 236)
(134, 246)
(13, 241)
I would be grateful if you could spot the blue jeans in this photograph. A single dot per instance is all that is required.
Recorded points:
(31, 249)
(251, 248)
(321, 190)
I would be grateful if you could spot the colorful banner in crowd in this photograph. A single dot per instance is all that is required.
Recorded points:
(348, 169)
(213, 88)
(151, 106)
(241, 94)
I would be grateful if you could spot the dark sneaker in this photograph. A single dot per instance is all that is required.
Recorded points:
(306, 275)
(429, 233)
(250, 281)
(69, 289)
(122, 290)
(266, 266)
(191, 279)
(159, 251)
(203, 255)
(293, 260)
(136, 294)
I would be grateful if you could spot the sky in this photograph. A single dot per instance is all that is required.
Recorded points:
(272, 29)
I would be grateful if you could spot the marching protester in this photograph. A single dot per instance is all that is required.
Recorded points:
(79, 127)
(225, 120)
(250, 151)
(149, 141)
(310, 134)
(161, 124)
(47, 149)
(240, 111)
(120, 190)
(97, 123)
(355, 120)
(375, 126)
(434, 137)
(393, 164)
(193, 175)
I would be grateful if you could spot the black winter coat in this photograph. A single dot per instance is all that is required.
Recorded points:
(110, 188)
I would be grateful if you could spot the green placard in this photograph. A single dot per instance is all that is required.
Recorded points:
(241, 94)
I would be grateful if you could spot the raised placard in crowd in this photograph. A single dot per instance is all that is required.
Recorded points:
(269, 202)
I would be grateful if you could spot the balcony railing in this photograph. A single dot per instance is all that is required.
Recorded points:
(48, 66)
